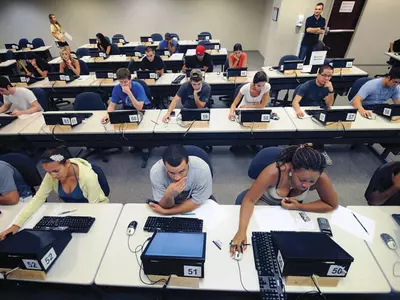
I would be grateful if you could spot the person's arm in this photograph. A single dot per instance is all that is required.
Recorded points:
(5, 107)
(108, 50)
(357, 103)
(205, 68)
(330, 98)
(8, 189)
(380, 198)
(10, 198)
(262, 104)
(186, 206)
(377, 193)
(199, 103)
(76, 68)
(296, 106)
(234, 105)
(171, 48)
(111, 107)
(172, 105)
(136, 104)
(245, 61)
(233, 61)
(35, 107)
(391, 47)
(314, 30)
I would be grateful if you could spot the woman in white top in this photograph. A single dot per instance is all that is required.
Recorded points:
(253, 94)
(57, 32)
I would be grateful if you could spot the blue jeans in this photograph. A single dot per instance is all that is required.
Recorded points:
(240, 197)
(304, 51)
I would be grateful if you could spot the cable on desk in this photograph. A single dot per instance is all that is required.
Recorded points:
(187, 130)
(240, 277)
(6, 273)
(397, 263)
(251, 128)
(54, 135)
(314, 294)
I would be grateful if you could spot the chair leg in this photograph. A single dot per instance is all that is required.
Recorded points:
(145, 156)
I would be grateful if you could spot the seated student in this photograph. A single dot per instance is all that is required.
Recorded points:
(378, 91)
(19, 100)
(12, 185)
(253, 94)
(395, 46)
(130, 93)
(36, 66)
(298, 170)
(102, 44)
(180, 183)
(202, 60)
(384, 187)
(192, 94)
(69, 65)
(152, 62)
(168, 43)
(73, 179)
(237, 59)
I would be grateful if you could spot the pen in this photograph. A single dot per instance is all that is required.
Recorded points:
(216, 244)
(155, 122)
(188, 214)
(360, 223)
(67, 212)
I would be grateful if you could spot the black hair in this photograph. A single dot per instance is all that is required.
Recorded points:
(260, 76)
(149, 49)
(30, 55)
(303, 157)
(123, 73)
(237, 47)
(50, 15)
(324, 67)
(4, 82)
(103, 41)
(394, 73)
(396, 168)
(175, 154)
(60, 154)
(167, 35)
(320, 4)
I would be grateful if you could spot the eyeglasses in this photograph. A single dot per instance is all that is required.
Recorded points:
(326, 75)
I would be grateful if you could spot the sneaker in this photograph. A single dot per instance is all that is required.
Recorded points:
(327, 158)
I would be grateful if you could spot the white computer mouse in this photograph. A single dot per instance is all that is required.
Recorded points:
(389, 241)
(238, 255)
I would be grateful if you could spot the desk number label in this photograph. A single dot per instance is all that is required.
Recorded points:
(351, 117)
(67, 78)
(349, 64)
(23, 79)
(14, 46)
(62, 77)
(31, 264)
(335, 270)
(207, 37)
(102, 54)
(153, 75)
(191, 271)
(121, 41)
(322, 117)
(66, 121)
(48, 259)
(216, 47)
(205, 117)
(299, 66)
(281, 263)
(138, 54)
(133, 118)
(243, 73)
(74, 121)
(110, 75)
(166, 53)
(265, 118)
(387, 112)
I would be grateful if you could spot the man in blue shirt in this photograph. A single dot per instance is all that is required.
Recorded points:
(130, 94)
(378, 91)
(168, 43)
(315, 25)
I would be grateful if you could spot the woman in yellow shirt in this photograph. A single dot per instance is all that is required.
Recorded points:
(73, 179)
(57, 32)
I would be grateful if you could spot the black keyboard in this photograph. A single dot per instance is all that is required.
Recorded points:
(173, 224)
(178, 79)
(71, 224)
(269, 278)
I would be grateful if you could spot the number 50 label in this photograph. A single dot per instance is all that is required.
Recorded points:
(191, 271)
(338, 271)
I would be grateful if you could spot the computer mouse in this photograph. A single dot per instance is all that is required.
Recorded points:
(104, 121)
(389, 241)
(369, 117)
(131, 228)
(238, 255)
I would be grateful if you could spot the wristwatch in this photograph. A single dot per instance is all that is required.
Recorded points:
(331, 92)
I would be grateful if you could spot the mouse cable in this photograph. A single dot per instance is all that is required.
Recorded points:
(54, 135)
(397, 263)
(187, 130)
(6, 273)
(313, 294)
(240, 276)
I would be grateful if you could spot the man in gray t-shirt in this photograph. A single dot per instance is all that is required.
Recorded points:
(12, 185)
(180, 183)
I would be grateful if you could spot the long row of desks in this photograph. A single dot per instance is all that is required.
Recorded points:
(152, 132)
(102, 257)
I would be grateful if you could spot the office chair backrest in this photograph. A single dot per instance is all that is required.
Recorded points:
(41, 98)
(25, 165)
(132, 66)
(206, 32)
(89, 101)
(84, 67)
(118, 36)
(37, 42)
(141, 49)
(198, 152)
(81, 52)
(204, 43)
(146, 88)
(102, 179)
(287, 57)
(23, 42)
(174, 35)
(114, 49)
(262, 160)
(226, 64)
(356, 87)
(9, 55)
(107, 39)
(156, 37)
(237, 90)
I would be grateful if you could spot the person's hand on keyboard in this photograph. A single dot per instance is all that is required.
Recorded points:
(11, 230)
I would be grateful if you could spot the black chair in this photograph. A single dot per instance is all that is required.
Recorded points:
(89, 101)
(156, 37)
(26, 166)
(118, 36)
(174, 35)
(237, 90)
(102, 179)
(9, 55)
(146, 90)
(81, 52)
(84, 67)
(203, 43)
(132, 66)
(207, 33)
(262, 160)
(114, 49)
(356, 87)
(41, 98)
(141, 49)
(37, 42)
(23, 43)
(224, 68)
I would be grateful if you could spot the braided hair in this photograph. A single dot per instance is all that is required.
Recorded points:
(303, 157)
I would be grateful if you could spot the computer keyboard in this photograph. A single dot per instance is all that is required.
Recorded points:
(174, 224)
(71, 224)
(178, 79)
(269, 278)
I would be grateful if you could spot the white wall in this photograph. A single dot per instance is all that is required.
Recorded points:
(231, 21)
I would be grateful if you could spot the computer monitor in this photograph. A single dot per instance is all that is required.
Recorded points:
(126, 116)
(92, 41)
(163, 52)
(146, 39)
(61, 77)
(147, 75)
(388, 111)
(71, 119)
(196, 114)
(203, 37)
(289, 65)
(118, 41)
(12, 46)
(97, 53)
(253, 115)
(105, 74)
(236, 72)
(337, 63)
(130, 51)
(24, 79)
(5, 120)
(334, 115)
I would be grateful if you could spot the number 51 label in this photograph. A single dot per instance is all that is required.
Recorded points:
(191, 271)
(335, 270)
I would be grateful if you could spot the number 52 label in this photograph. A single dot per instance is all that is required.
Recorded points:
(192, 271)
(335, 270)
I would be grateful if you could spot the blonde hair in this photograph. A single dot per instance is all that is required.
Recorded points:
(69, 54)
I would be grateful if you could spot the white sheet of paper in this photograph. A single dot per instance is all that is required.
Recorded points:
(305, 226)
(211, 213)
(317, 58)
(344, 219)
(68, 36)
(275, 218)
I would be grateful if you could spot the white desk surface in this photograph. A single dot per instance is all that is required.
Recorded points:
(93, 124)
(361, 123)
(15, 127)
(3, 51)
(40, 49)
(393, 55)
(219, 122)
(7, 63)
(354, 71)
(119, 266)
(384, 224)
(130, 44)
(80, 260)
(83, 80)
(8, 214)
(222, 51)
